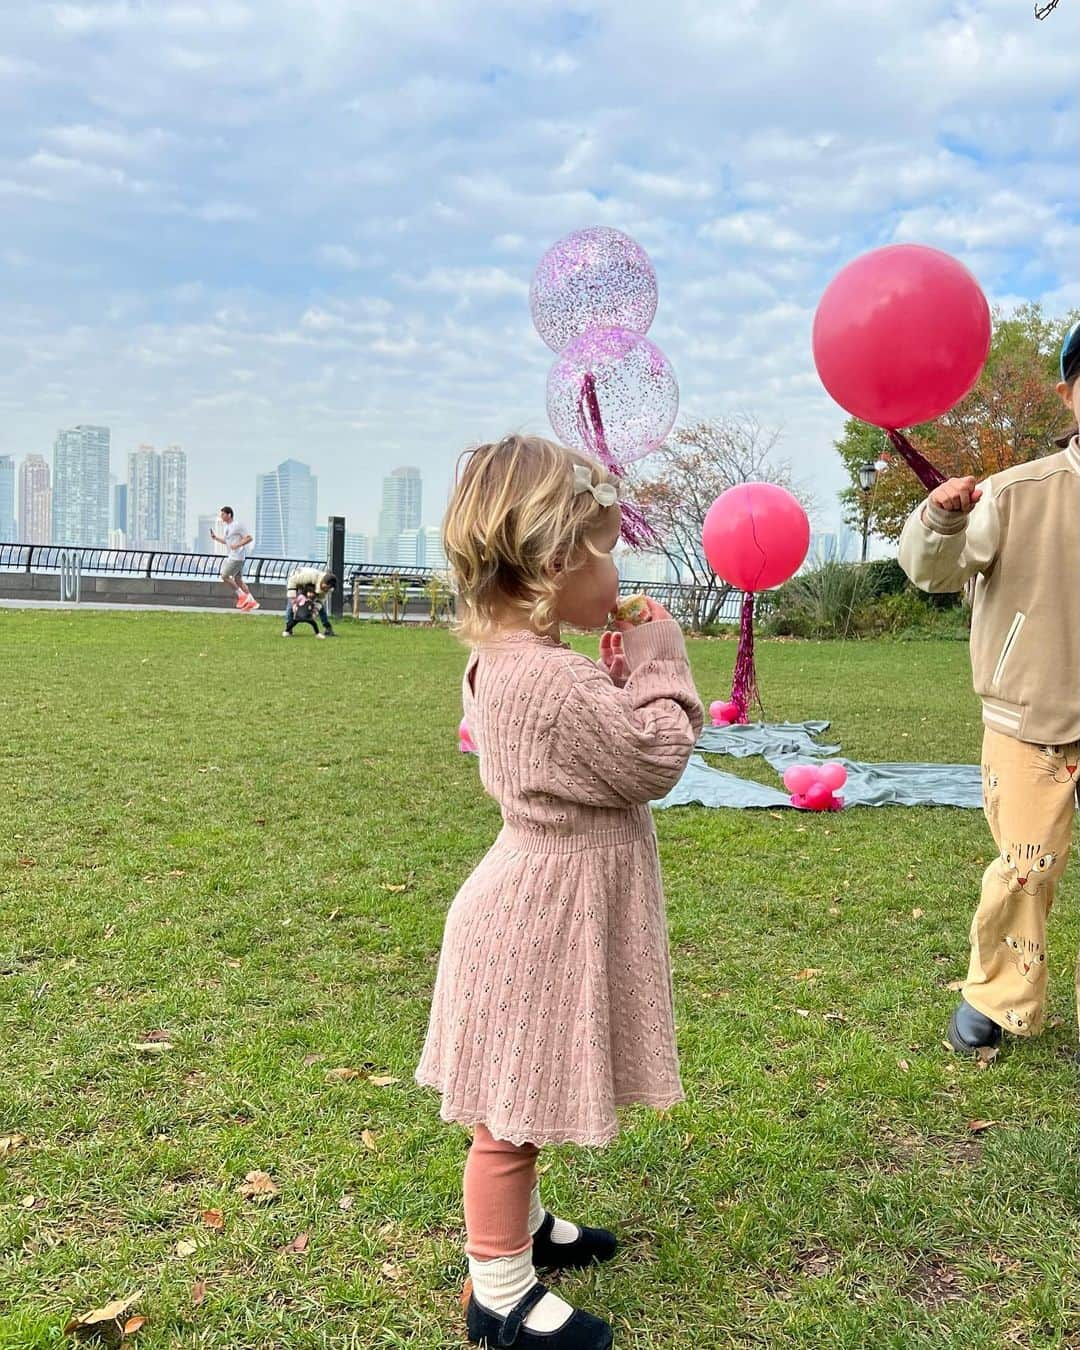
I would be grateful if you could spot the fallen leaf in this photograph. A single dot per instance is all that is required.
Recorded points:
(466, 1292)
(198, 1293)
(28, 1201)
(163, 1036)
(342, 1075)
(26, 862)
(835, 1017)
(309, 1060)
(177, 872)
(213, 1218)
(367, 1139)
(903, 1064)
(917, 913)
(346, 1202)
(102, 1324)
(10, 1142)
(258, 1186)
(985, 1055)
(152, 1047)
(187, 1247)
(383, 1081)
(396, 890)
(1055, 1021)
(132, 1325)
(391, 1271)
(977, 1126)
(803, 1012)
(297, 1246)
(776, 815)
(955, 985)
(810, 973)
(233, 965)
(834, 910)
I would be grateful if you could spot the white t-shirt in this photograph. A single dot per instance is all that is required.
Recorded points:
(232, 534)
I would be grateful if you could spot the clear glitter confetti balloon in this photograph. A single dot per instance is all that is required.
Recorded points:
(612, 393)
(595, 278)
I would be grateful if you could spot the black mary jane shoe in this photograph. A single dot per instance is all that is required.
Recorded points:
(581, 1331)
(971, 1030)
(591, 1244)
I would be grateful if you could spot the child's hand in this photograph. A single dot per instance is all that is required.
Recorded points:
(612, 657)
(656, 610)
(958, 494)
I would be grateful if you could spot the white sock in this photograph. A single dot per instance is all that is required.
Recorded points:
(561, 1230)
(500, 1285)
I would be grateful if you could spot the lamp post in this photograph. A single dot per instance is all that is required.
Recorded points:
(868, 476)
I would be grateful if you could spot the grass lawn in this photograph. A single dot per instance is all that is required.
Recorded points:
(248, 850)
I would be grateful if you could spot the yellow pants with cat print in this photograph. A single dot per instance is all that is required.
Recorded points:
(1029, 792)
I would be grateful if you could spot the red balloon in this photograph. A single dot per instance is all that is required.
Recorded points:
(818, 797)
(755, 536)
(901, 335)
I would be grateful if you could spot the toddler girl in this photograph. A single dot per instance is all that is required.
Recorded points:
(552, 1004)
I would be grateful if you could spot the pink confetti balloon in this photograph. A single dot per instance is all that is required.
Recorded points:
(595, 278)
(716, 711)
(798, 778)
(834, 776)
(635, 387)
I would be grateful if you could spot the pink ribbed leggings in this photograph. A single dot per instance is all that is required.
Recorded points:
(498, 1183)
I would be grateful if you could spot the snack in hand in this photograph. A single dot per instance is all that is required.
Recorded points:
(634, 610)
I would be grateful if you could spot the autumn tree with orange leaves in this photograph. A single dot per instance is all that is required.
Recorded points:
(1011, 416)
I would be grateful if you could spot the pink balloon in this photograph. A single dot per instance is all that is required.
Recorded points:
(818, 797)
(834, 776)
(901, 335)
(798, 778)
(716, 710)
(730, 712)
(466, 744)
(755, 536)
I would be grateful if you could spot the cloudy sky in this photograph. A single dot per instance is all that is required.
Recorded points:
(283, 228)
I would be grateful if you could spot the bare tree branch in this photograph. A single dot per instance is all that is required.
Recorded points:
(1041, 11)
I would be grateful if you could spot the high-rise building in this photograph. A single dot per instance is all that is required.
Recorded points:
(434, 555)
(8, 532)
(202, 543)
(144, 498)
(286, 506)
(402, 501)
(119, 508)
(80, 499)
(174, 497)
(35, 500)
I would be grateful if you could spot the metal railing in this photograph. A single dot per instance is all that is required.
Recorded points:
(684, 602)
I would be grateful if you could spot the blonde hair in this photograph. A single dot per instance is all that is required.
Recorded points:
(513, 524)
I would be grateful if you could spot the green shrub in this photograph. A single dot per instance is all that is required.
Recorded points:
(838, 600)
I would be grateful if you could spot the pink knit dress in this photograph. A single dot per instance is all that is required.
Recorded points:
(552, 1003)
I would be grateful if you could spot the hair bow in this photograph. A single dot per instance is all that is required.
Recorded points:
(604, 494)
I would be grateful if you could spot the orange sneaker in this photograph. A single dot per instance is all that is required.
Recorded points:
(250, 605)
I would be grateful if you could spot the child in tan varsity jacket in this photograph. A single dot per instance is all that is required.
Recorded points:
(1016, 537)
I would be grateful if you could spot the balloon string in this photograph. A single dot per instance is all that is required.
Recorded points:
(920, 466)
(744, 689)
(636, 530)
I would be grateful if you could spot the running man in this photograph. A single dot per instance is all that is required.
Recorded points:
(237, 540)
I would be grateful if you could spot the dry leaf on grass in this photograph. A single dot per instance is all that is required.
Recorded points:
(26, 862)
(368, 1140)
(297, 1246)
(383, 1080)
(917, 913)
(810, 973)
(835, 1017)
(391, 1271)
(342, 1075)
(158, 1037)
(258, 1186)
(346, 1202)
(29, 1201)
(106, 1324)
(309, 1060)
(977, 1126)
(985, 1055)
(802, 1012)
(152, 1047)
(213, 1218)
(395, 890)
(903, 1064)
(198, 1293)
(187, 1247)
(955, 985)
(132, 1325)
(10, 1142)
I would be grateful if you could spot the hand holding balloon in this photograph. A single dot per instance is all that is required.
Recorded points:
(956, 494)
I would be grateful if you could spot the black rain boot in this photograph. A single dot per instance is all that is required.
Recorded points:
(592, 1244)
(971, 1030)
(581, 1331)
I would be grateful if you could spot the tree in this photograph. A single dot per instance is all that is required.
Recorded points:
(1011, 416)
(676, 486)
(1041, 11)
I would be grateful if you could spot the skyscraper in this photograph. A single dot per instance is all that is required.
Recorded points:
(401, 505)
(80, 504)
(144, 498)
(286, 505)
(8, 534)
(202, 542)
(35, 500)
(174, 497)
(119, 511)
